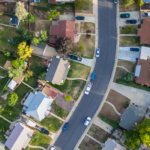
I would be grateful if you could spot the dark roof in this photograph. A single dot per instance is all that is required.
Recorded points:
(52, 69)
(15, 20)
(130, 116)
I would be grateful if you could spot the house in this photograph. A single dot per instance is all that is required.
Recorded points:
(63, 29)
(15, 21)
(146, 1)
(144, 32)
(111, 144)
(57, 71)
(142, 72)
(7, 64)
(19, 138)
(60, 1)
(145, 53)
(37, 105)
(131, 117)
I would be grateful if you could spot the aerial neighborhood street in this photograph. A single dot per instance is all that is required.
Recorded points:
(74, 75)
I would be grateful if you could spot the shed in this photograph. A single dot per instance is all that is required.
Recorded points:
(12, 84)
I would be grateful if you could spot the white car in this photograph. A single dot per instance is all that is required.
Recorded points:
(88, 88)
(52, 148)
(87, 121)
(97, 52)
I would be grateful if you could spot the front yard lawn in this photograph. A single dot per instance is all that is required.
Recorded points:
(84, 26)
(78, 70)
(89, 46)
(43, 140)
(52, 124)
(10, 113)
(32, 81)
(4, 125)
(129, 29)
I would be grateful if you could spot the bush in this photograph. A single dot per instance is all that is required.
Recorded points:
(139, 25)
(88, 35)
(127, 104)
(12, 99)
(67, 98)
(88, 31)
(77, 24)
(81, 47)
(129, 29)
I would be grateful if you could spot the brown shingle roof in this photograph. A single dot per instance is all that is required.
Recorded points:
(19, 80)
(64, 29)
(144, 32)
(52, 1)
(52, 40)
(144, 77)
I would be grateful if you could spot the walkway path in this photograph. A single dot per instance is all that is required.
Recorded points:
(94, 139)
(127, 34)
(36, 147)
(124, 68)
(7, 25)
(76, 79)
(113, 107)
(2, 67)
(5, 119)
(28, 86)
(87, 33)
(56, 116)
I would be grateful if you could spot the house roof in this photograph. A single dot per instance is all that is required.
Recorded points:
(15, 20)
(57, 71)
(29, 99)
(49, 92)
(7, 64)
(130, 116)
(39, 107)
(144, 77)
(52, 40)
(64, 29)
(145, 53)
(146, 1)
(144, 32)
(19, 80)
(12, 84)
(19, 138)
(52, 1)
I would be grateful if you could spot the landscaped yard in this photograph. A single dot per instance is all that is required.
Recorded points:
(129, 41)
(32, 81)
(98, 133)
(3, 59)
(78, 70)
(129, 29)
(43, 140)
(89, 144)
(3, 82)
(84, 26)
(89, 46)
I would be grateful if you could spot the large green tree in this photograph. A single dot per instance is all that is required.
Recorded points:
(12, 99)
(31, 18)
(127, 3)
(19, 64)
(139, 2)
(53, 13)
(15, 73)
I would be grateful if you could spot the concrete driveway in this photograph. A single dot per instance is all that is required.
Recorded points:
(137, 96)
(66, 17)
(126, 54)
(133, 15)
(87, 19)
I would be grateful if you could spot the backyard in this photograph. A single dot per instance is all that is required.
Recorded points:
(32, 81)
(3, 59)
(85, 26)
(4, 19)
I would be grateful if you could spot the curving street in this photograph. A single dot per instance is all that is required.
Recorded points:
(104, 66)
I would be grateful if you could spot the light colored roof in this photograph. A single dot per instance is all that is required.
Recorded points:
(19, 80)
(145, 53)
(12, 84)
(29, 99)
(19, 138)
(7, 64)
(137, 71)
(39, 106)
(30, 123)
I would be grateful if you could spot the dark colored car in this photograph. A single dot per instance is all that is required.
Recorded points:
(115, 1)
(125, 15)
(131, 21)
(80, 17)
(146, 14)
(45, 131)
(134, 49)
(65, 127)
(75, 57)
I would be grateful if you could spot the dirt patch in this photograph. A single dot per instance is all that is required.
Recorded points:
(85, 26)
(89, 144)
(108, 111)
(98, 133)
(117, 100)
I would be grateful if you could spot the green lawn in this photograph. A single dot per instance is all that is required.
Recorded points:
(4, 58)
(21, 91)
(78, 70)
(52, 124)
(4, 126)
(10, 113)
(128, 30)
(3, 72)
(59, 111)
(5, 19)
(32, 81)
(3, 82)
(43, 140)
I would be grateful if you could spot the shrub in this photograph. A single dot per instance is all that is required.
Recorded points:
(127, 104)
(67, 98)
(88, 35)
(88, 31)
(12, 99)
(81, 47)
(139, 25)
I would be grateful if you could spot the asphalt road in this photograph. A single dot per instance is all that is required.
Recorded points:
(103, 69)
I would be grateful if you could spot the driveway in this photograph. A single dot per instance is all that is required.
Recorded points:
(87, 19)
(2, 146)
(67, 17)
(133, 15)
(137, 96)
(126, 54)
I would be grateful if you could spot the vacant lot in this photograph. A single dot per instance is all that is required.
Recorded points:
(89, 46)
(89, 144)
(132, 7)
(129, 41)
(117, 100)
(98, 133)
(78, 70)
(85, 26)
(129, 29)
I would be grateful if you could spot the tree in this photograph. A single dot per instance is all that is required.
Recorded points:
(27, 36)
(20, 11)
(42, 76)
(63, 45)
(139, 2)
(24, 50)
(17, 40)
(128, 76)
(35, 138)
(12, 99)
(28, 75)
(77, 4)
(127, 3)
(53, 13)
(15, 73)
(81, 47)
(31, 18)
(35, 41)
(19, 64)
(67, 98)
(7, 53)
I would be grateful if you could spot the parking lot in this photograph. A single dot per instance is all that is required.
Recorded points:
(133, 15)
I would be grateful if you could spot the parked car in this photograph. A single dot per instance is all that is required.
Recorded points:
(77, 58)
(134, 49)
(146, 14)
(52, 148)
(97, 52)
(131, 21)
(125, 15)
(115, 1)
(80, 17)
(88, 88)
(45, 131)
(87, 121)
(65, 127)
